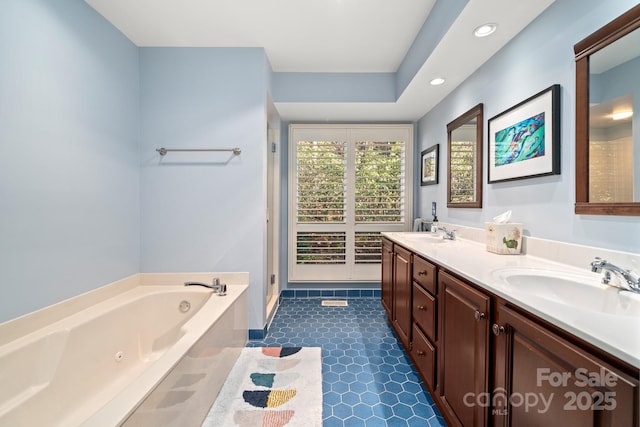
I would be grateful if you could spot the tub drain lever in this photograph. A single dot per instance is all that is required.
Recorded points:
(223, 290)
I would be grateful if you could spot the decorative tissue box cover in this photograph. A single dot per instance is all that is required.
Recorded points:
(503, 238)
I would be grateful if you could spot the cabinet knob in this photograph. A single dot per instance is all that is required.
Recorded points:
(421, 307)
(497, 329)
(479, 315)
(422, 273)
(420, 353)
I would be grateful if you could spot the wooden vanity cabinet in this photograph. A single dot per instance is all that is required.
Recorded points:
(464, 351)
(386, 284)
(553, 382)
(482, 357)
(401, 311)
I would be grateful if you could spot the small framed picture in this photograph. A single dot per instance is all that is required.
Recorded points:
(524, 141)
(429, 166)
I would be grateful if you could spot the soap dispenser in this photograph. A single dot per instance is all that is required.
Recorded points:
(434, 222)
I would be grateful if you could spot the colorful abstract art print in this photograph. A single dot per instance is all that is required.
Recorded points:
(524, 141)
(520, 142)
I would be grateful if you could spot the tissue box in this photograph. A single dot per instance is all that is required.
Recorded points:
(503, 238)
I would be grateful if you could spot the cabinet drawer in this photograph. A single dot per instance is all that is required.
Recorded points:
(424, 355)
(424, 311)
(425, 274)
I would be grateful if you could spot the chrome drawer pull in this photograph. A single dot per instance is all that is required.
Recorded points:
(479, 316)
(420, 353)
(421, 307)
(422, 273)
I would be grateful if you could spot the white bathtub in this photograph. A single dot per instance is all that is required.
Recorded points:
(134, 359)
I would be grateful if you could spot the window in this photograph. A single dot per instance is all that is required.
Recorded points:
(347, 183)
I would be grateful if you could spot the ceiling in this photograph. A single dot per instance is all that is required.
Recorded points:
(332, 36)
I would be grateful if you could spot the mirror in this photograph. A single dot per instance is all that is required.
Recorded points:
(464, 181)
(608, 118)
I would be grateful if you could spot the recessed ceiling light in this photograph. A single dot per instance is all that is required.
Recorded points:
(437, 81)
(485, 30)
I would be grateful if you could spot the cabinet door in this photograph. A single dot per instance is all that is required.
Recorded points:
(541, 379)
(386, 283)
(464, 350)
(402, 295)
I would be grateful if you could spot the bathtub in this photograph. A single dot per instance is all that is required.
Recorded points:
(151, 355)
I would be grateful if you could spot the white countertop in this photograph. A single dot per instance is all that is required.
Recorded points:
(616, 334)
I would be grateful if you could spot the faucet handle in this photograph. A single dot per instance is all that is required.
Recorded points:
(597, 264)
(216, 281)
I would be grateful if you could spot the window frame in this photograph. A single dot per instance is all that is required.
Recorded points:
(350, 271)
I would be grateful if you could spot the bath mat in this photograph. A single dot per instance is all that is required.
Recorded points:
(334, 303)
(271, 387)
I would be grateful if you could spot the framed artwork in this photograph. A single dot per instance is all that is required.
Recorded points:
(429, 166)
(524, 141)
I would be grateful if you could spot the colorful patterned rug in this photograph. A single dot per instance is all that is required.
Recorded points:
(271, 387)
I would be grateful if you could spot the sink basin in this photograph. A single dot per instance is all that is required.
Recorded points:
(425, 238)
(582, 291)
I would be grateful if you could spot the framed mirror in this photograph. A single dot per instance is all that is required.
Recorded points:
(608, 118)
(464, 143)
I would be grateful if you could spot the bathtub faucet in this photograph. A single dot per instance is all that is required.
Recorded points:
(215, 286)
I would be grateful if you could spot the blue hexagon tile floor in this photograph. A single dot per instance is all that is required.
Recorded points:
(367, 378)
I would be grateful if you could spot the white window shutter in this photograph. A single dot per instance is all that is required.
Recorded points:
(348, 183)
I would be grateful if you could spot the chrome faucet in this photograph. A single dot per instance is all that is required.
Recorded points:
(448, 235)
(630, 281)
(215, 286)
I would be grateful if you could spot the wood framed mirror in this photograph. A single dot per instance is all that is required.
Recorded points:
(608, 118)
(464, 153)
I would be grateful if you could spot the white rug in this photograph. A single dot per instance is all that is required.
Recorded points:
(271, 387)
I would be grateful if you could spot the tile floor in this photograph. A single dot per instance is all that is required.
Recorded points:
(368, 379)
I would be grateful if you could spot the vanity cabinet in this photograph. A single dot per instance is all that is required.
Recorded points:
(553, 382)
(488, 362)
(386, 284)
(464, 351)
(401, 311)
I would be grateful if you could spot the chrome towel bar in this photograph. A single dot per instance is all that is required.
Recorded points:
(236, 151)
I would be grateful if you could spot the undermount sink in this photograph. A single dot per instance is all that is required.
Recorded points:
(583, 291)
(425, 238)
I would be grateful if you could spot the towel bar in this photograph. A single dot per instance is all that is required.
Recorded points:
(163, 151)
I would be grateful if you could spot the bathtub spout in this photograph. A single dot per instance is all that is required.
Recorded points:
(216, 287)
(204, 285)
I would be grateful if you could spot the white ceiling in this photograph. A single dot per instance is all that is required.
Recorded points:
(364, 36)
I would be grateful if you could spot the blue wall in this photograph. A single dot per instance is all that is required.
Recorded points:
(84, 197)
(541, 55)
(205, 211)
(69, 191)
(86, 200)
